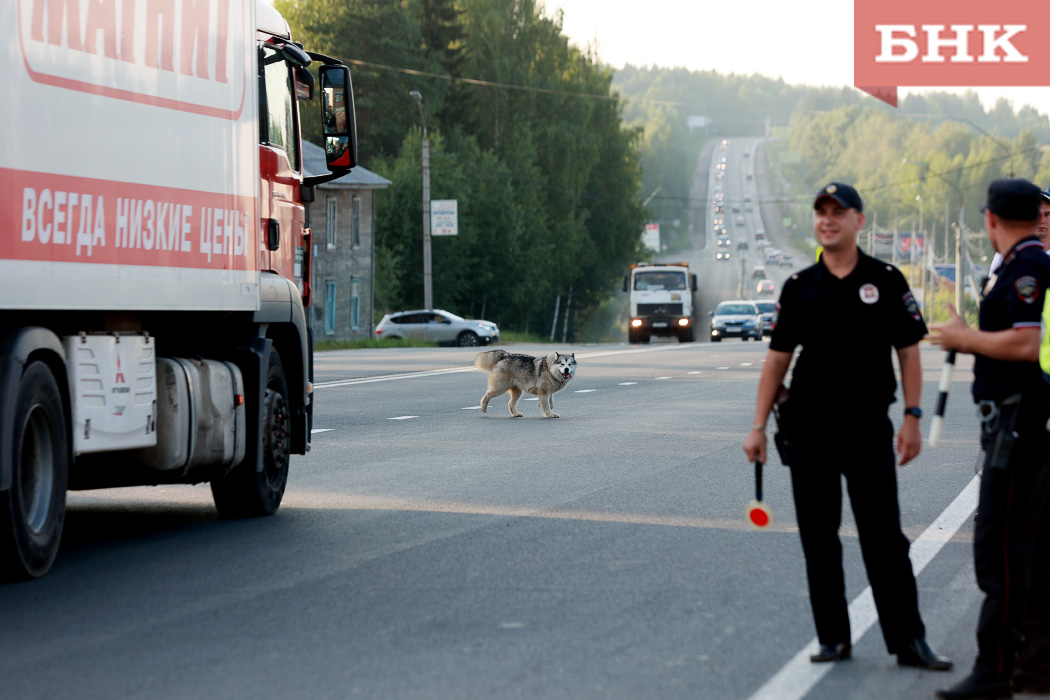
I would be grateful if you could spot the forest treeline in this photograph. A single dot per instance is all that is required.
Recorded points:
(933, 154)
(546, 178)
(551, 154)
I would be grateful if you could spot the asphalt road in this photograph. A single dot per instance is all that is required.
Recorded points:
(725, 280)
(425, 550)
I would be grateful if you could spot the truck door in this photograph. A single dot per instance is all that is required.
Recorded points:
(280, 163)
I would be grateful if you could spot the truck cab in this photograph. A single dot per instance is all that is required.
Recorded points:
(662, 301)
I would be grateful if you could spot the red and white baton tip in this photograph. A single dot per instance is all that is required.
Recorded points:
(758, 515)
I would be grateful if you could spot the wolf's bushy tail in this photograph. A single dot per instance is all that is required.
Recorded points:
(485, 361)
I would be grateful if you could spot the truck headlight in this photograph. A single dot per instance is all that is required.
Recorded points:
(636, 323)
(683, 322)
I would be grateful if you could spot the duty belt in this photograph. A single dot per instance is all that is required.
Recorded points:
(988, 413)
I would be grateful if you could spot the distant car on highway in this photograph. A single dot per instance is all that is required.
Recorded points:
(437, 326)
(723, 241)
(786, 260)
(758, 272)
(722, 255)
(769, 315)
(742, 245)
(766, 287)
(736, 319)
(739, 221)
(772, 256)
(760, 234)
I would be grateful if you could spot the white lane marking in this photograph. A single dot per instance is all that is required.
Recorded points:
(696, 372)
(799, 675)
(454, 370)
(721, 368)
(584, 391)
(402, 417)
(533, 398)
(471, 408)
(321, 430)
(391, 377)
(627, 383)
(661, 377)
(746, 364)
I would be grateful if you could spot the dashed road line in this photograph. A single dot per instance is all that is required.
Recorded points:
(402, 417)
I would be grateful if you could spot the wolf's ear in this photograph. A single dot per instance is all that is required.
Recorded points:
(572, 355)
(557, 355)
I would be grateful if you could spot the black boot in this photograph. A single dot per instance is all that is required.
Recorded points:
(919, 654)
(832, 652)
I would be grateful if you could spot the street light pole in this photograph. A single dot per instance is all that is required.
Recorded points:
(922, 259)
(428, 278)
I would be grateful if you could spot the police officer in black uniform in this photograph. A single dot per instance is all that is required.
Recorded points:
(849, 312)
(1014, 404)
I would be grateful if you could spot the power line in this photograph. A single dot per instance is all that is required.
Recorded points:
(508, 86)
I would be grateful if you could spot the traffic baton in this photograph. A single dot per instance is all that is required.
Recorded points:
(942, 399)
(758, 514)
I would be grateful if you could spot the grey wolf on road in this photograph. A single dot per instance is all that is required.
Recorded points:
(517, 373)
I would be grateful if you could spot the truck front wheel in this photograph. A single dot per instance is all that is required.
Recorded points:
(33, 510)
(245, 491)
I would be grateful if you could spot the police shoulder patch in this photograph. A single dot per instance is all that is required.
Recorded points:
(912, 306)
(1027, 289)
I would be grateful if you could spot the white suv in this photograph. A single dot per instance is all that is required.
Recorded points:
(439, 327)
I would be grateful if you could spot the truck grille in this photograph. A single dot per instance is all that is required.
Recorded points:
(659, 309)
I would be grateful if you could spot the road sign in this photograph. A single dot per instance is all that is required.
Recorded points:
(444, 217)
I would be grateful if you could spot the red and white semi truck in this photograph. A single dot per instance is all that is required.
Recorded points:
(154, 254)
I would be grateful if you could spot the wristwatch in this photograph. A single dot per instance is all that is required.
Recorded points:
(913, 411)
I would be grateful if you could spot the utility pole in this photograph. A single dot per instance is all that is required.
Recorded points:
(428, 278)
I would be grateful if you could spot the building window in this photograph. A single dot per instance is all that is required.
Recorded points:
(329, 308)
(355, 222)
(355, 303)
(331, 219)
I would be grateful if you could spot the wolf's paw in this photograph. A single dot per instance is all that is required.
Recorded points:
(518, 415)
(553, 415)
(484, 408)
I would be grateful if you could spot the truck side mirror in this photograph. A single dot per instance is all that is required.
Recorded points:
(692, 281)
(626, 283)
(338, 119)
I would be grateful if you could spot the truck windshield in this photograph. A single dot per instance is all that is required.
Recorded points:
(659, 280)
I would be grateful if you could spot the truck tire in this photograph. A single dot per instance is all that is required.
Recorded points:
(33, 510)
(245, 492)
(632, 337)
(687, 336)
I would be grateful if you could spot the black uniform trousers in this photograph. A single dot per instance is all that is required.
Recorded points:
(1033, 659)
(1008, 511)
(863, 453)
